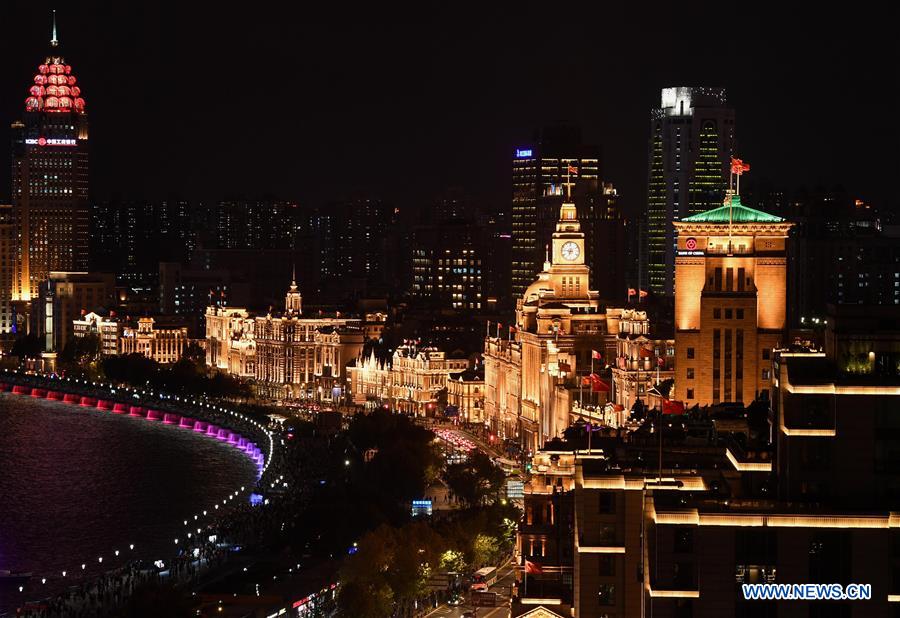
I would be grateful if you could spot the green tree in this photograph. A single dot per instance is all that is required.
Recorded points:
(358, 599)
(29, 346)
(474, 480)
(195, 354)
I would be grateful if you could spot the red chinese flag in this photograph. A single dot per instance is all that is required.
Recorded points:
(660, 361)
(643, 293)
(586, 380)
(738, 167)
(631, 291)
(596, 355)
(645, 353)
(573, 170)
(672, 407)
(533, 568)
(598, 385)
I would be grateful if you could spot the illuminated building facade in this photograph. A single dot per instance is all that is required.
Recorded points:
(290, 357)
(834, 411)
(108, 328)
(730, 303)
(448, 262)
(50, 177)
(540, 172)
(531, 368)
(545, 532)
(65, 296)
(465, 395)
(690, 146)
(8, 256)
(410, 383)
(644, 357)
(163, 345)
(230, 341)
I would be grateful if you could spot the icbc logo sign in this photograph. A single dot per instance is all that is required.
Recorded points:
(690, 244)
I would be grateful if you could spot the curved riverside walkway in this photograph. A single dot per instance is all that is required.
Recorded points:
(97, 596)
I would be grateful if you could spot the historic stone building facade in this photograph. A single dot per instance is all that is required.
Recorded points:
(533, 369)
(164, 345)
(411, 383)
(645, 357)
(289, 356)
(730, 303)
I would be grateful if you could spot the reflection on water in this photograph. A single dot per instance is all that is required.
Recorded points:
(77, 484)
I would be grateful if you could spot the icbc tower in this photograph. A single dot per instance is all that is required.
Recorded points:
(50, 179)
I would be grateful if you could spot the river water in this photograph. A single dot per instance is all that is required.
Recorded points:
(78, 483)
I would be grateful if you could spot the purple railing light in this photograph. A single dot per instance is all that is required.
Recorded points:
(249, 448)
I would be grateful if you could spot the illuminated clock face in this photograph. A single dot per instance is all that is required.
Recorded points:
(570, 251)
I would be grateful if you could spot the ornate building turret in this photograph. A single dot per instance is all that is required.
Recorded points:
(293, 300)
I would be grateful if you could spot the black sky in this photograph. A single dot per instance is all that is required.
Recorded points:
(206, 101)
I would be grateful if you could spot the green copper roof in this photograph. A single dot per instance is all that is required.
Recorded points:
(739, 214)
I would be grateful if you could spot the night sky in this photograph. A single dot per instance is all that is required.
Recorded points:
(209, 102)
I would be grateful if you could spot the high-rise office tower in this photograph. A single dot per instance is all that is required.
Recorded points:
(8, 253)
(540, 173)
(50, 177)
(690, 148)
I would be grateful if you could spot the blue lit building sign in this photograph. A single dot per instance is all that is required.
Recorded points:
(421, 507)
(523, 152)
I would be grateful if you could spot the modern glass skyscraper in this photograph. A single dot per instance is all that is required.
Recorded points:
(540, 171)
(50, 177)
(690, 148)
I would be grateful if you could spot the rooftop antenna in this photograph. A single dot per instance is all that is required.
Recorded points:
(54, 41)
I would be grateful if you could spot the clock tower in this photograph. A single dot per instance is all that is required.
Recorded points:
(568, 272)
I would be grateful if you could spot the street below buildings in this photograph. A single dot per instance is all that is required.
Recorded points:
(503, 588)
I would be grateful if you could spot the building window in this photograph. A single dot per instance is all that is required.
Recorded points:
(607, 594)
(607, 566)
(690, 393)
(684, 540)
(740, 314)
(728, 314)
(765, 374)
(606, 502)
(690, 373)
(717, 313)
(765, 353)
(690, 353)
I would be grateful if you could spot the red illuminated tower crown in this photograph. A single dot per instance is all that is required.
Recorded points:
(55, 88)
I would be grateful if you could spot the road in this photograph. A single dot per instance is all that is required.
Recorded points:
(502, 588)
